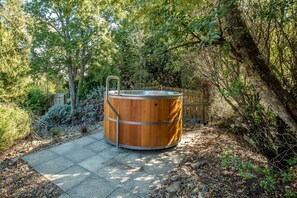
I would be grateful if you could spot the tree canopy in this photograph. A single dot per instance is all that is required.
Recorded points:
(15, 44)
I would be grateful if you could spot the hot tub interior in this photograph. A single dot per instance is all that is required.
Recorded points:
(144, 93)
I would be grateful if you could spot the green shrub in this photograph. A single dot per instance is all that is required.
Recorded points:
(91, 109)
(57, 114)
(14, 124)
(36, 101)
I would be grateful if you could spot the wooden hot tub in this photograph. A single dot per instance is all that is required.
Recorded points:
(147, 120)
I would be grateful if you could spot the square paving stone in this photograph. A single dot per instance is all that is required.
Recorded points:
(97, 135)
(122, 193)
(111, 153)
(64, 148)
(134, 159)
(98, 146)
(80, 155)
(64, 196)
(39, 157)
(54, 166)
(83, 141)
(140, 183)
(159, 167)
(93, 163)
(70, 177)
(93, 186)
(123, 154)
(116, 172)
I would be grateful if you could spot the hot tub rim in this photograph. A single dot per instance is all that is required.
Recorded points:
(174, 95)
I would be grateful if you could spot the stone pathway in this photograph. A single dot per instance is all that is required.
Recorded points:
(90, 167)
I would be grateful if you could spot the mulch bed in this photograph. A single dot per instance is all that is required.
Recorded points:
(18, 179)
(200, 174)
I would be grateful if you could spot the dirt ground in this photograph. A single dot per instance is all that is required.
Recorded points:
(200, 174)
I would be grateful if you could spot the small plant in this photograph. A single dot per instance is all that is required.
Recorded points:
(55, 133)
(268, 181)
(84, 129)
(290, 193)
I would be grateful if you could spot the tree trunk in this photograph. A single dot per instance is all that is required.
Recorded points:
(281, 101)
(81, 78)
(71, 83)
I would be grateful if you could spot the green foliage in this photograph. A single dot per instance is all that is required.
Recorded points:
(96, 77)
(69, 38)
(266, 177)
(268, 183)
(14, 124)
(57, 114)
(91, 109)
(290, 193)
(36, 101)
(14, 52)
(55, 132)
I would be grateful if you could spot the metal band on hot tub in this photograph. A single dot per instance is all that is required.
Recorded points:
(143, 147)
(142, 123)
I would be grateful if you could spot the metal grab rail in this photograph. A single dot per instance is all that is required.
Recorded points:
(110, 105)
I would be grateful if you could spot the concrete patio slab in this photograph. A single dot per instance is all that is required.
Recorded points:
(93, 163)
(40, 157)
(98, 146)
(122, 193)
(116, 172)
(79, 155)
(70, 177)
(91, 167)
(94, 186)
(54, 166)
(84, 141)
(112, 152)
(65, 195)
(139, 183)
(98, 136)
(64, 148)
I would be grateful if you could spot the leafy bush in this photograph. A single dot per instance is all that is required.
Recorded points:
(91, 109)
(14, 124)
(57, 114)
(36, 101)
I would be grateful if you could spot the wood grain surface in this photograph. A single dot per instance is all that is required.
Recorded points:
(145, 111)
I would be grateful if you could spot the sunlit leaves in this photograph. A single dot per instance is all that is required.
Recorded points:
(14, 51)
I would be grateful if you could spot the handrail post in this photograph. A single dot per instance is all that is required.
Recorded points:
(110, 105)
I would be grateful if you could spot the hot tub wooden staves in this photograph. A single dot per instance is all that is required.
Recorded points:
(145, 123)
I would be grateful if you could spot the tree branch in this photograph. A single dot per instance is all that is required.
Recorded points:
(179, 46)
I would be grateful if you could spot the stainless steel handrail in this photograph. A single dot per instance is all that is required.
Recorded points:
(110, 105)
